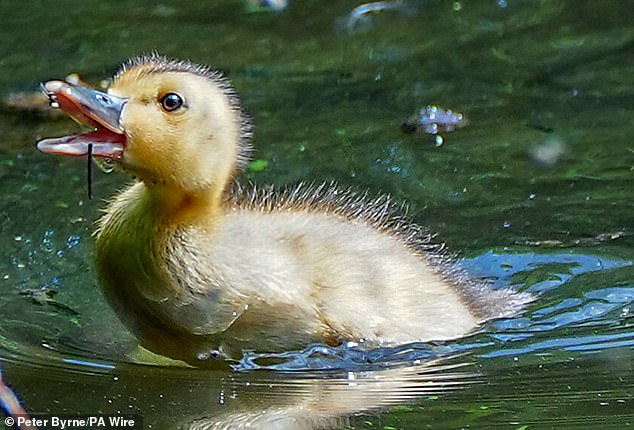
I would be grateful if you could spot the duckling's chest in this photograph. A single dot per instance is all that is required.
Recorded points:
(175, 290)
(129, 259)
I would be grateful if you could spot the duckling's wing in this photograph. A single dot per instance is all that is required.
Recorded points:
(204, 305)
(382, 214)
(206, 314)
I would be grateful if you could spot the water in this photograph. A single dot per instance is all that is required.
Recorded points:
(535, 192)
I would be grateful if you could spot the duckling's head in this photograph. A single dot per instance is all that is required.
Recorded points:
(173, 124)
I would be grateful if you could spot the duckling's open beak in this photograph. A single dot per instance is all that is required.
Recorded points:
(90, 107)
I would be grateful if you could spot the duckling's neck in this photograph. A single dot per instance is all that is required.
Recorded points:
(173, 205)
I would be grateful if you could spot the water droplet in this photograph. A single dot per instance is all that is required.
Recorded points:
(202, 356)
(72, 241)
(106, 165)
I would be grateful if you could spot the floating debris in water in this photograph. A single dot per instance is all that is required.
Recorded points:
(585, 242)
(27, 101)
(40, 101)
(359, 17)
(46, 297)
(78, 80)
(435, 120)
(266, 5)
(164, 11)
(549, 152)
(541, 127)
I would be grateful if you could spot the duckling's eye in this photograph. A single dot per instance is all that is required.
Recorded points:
(171, 102)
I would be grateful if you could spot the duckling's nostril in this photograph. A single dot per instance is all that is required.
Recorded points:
(104, 99)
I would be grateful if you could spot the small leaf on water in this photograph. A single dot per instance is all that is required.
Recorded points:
(402, 408)
(258, 165)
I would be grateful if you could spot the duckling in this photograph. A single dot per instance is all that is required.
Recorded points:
(200, 267)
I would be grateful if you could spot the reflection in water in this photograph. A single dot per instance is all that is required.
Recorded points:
(194, 399)
(324, 402)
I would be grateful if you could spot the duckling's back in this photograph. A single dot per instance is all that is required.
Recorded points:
(359, 264)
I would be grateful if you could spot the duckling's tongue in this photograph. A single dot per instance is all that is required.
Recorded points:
(90, 107)
(104, 144)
